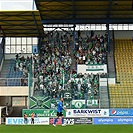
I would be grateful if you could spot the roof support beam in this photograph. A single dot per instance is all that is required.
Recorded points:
(36, 4)
(68, 0)
(89, 21)
(74, 23)
(36, 24)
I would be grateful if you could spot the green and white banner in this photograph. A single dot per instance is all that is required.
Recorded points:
(92, 68)
(92, 103)
(40, 103)
(78, 104)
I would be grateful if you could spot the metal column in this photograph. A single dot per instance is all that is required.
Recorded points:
(108, 22)
(74, 24)
(74, 36)
(108, 36)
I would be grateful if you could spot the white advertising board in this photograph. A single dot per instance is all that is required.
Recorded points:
(20, 121)
(87, 113)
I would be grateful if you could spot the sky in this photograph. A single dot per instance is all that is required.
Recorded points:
(17, 5)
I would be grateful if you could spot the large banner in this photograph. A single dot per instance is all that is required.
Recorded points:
(72, 121)
(92, 103)
(78, 104)
(113, 120)
(42, 112)
(87, 113)
(92, 69)
(20, 121)
(121, 112)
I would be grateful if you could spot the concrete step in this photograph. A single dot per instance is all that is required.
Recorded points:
(5, 68)
(103, 90)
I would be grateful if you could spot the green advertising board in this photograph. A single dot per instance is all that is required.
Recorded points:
(42, 112)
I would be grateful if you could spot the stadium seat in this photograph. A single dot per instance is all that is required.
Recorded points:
(122, 93)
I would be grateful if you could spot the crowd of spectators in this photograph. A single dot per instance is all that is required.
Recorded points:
(53, 75)
(80, 86)
(52, 69)
(51, 66)
(91, 49)
(23, 64)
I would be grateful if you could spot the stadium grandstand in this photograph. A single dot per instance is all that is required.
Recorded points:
(80, 50)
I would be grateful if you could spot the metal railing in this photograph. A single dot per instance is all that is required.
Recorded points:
(13, 81)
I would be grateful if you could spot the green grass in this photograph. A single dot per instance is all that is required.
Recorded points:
(67, 129)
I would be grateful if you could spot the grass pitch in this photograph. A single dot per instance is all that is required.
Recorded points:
(67, 129)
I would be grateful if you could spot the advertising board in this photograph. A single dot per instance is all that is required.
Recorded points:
(20, 121)
(87, 113)
(113, 120)
(67, 121)
(72, 121)
(42, 112)
(82, 120)
(121, 112)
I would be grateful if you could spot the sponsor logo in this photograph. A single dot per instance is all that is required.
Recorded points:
(69, 113)
(105, 112)
(121, 112)
(87, 111)
(69, 121)
(113, 112)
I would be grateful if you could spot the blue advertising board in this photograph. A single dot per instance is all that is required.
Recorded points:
(113, 120)
(121, 112)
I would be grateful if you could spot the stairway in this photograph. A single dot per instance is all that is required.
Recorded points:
(111, 61)
(9, 76)
(5, 68)
(104, 97)
(4, 72)
(103, 93)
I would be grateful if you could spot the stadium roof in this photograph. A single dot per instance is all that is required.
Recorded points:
(30, 23)
(21, 23)
(85, 11)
